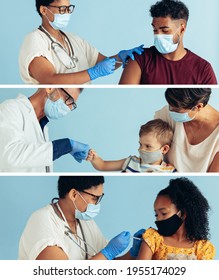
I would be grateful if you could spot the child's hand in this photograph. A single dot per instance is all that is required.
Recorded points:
(91, 155)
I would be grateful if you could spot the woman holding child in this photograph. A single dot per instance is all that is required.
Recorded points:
(195, 146)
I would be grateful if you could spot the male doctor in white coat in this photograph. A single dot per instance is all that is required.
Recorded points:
(24, 143)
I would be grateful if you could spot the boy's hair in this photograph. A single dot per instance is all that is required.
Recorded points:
(160, 128)
(172, 8)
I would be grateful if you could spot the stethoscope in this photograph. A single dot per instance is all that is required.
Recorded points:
(68, 232)
(71, 59)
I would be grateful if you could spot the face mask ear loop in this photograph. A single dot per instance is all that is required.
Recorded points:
(181, 215)
(84, 201)
(179, 35)
(50, 12)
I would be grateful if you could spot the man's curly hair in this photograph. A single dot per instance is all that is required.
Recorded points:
(188, 198)
(172, 8)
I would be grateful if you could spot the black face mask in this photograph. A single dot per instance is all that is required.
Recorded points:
(169, 226)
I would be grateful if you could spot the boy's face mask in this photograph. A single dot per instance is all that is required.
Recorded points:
(150, 157)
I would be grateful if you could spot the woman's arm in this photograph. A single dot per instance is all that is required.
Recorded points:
(52, 253)
(131, 74)
(145, 252)
(214, 167)
(44, 72)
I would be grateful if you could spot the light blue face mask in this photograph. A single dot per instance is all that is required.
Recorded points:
(56, 109)
(164, 43)
(150, 157)
(60, 20)
(180, 117)
(91, 212)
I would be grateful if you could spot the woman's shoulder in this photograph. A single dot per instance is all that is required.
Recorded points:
(204, 244)
(205, 249)
(164, 115)
(43, 214)
(151, 233)
(163, 112)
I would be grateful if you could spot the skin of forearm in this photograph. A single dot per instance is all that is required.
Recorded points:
(71, 78)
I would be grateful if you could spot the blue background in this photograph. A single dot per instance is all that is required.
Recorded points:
(127, 205)
(106, 119)
(110, 26)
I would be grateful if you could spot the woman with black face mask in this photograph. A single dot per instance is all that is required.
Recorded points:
(181, 213)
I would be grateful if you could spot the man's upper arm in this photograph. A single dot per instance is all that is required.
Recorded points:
(131, 74)
(52, 253)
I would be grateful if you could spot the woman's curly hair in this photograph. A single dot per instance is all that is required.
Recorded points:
(188, 198)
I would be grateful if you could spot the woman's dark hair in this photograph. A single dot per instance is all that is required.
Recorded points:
(43, 3)
(187, 98)
(172, 8)
(80, 183)
(188, 198)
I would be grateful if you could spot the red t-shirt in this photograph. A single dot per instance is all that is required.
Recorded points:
(191, 69)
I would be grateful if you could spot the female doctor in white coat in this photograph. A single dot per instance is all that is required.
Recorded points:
(24, 143)
(65, 229)
(50, 56)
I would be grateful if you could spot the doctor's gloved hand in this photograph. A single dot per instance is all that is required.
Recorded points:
(125, 54)
(137, 243)
(103, 68)
(116, 245)
(79, 150)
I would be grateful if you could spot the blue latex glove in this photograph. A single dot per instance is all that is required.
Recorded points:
(117, 245)
(103, 68)
(79, 150)
(137, 243)
(125, 54)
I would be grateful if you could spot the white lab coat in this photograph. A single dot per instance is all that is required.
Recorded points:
(24, 147)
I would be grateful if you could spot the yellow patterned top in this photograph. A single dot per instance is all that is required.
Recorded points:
(201, 250)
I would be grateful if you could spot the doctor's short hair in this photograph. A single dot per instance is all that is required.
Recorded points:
(172, 8)
(43, 3)
(161, 129)
(80, 183)
(187, 198)
(187, 98)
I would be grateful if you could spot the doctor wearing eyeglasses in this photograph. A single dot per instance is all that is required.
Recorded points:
(65, 229)
(24, 141)
(50, 56)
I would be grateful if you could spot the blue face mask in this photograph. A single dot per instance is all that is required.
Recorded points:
(60, 20)
(164, 43)
(56, 109)
(91, 212)
(180, 117)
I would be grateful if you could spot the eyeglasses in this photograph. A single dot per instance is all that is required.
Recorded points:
(64, 9)
(70, 100)
(98, 197)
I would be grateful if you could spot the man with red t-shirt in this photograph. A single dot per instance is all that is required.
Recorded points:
(168, 62)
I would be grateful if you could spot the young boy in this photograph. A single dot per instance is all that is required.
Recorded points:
(155, 138)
